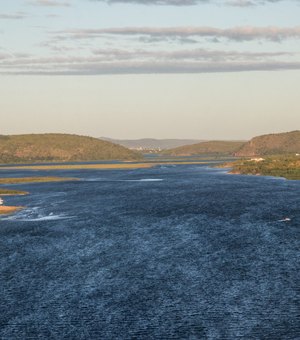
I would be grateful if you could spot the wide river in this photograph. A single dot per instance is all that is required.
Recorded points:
(170, 252)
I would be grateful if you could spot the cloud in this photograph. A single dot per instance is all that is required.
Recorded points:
(151, 68)
(143, 61)
(53, 16)
(239, 3)
(157, 2)
(50, 3)
(246, 33)
(13, 16)
(247, 3)
(188, 54)
(131, 50)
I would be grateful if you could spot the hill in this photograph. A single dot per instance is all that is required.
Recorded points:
(212, 148)
(151, 143)
(60, 148)
(272, 144)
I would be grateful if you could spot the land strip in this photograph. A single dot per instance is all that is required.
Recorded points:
(277, 166)
(119, 166)
(4, 210)
(79, 166)
(7, 192)
(23, 180)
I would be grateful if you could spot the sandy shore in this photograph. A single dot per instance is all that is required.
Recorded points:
(8, 210)
(6, 192)
(123, 166)
(79, 166)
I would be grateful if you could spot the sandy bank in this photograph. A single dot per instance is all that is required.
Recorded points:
(8, 210)
(122, 166)
(80, 166)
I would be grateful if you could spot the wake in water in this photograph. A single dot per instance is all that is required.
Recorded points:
(36, 215)
(124, 180)
(141, 180)
(286, 219)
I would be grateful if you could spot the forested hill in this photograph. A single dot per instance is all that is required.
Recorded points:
(60, 148)
(216, 148)
(272, 144)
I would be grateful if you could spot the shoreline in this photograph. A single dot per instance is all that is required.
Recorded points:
(37, 179)
(13, 193)
(125, 166)
(280, 174)
(6, 210)
(79, 166)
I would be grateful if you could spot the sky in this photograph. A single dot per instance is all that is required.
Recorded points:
(206, 69)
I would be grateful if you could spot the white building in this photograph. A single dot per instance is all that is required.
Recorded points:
(257, 159)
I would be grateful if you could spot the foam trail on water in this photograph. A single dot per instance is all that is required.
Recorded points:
(33, 215)
(143, 180)
(38, 219)
(47, 218)
(124, 180)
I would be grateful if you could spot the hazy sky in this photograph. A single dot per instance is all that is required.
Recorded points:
(207, 69)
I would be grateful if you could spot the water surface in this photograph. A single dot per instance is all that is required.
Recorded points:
(170, 252)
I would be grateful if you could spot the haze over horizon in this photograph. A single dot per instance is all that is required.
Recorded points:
(124, 69)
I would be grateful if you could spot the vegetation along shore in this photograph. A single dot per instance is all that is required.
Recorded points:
(287, 166)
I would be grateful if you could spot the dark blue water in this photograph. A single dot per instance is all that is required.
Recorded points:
(172, 252)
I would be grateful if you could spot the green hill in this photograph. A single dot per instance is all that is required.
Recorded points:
(212, 148)
(60, 148)
(273, 144)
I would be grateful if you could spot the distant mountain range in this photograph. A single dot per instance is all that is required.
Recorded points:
(73, 148)
(211, 148)
(60, 147)
(271, 144)
(151, 143)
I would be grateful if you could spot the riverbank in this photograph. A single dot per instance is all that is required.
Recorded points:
(5, 192)
(119, 166)
(4, 209)
(278, 166)
(24, 180)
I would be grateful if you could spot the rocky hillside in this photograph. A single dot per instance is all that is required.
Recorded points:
(212, 148)
(272, 144)
(60, 148)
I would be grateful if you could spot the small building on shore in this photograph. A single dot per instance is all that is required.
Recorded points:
(257, 159)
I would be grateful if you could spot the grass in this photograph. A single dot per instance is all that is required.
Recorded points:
(80, 166)
(119, 166)
(24, 180)
(277, 166)
(5, 192)
(35, 180)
